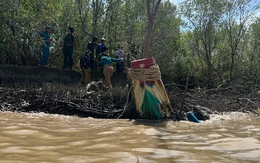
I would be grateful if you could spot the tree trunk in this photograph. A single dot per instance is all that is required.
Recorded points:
(151, 12)
(83, 18)
(148, 39)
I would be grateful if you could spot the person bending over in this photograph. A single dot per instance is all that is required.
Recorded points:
(108, 71)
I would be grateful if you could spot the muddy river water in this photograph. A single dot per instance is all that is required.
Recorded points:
(44, 138)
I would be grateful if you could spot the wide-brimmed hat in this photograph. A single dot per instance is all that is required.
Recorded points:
(103, 39)
(88, 51)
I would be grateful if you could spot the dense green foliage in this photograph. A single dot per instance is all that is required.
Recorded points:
(206, 42)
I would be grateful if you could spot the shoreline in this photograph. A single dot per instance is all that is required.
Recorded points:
(56, 91)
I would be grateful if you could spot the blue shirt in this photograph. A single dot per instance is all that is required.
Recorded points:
(46, 36)
(106, 60)
(99, 48)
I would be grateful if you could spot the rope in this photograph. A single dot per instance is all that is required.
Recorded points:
(152, 73)
(127, 100)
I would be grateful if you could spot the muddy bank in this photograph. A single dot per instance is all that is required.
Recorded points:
(59, 99)
(56, 91)
(20, 75)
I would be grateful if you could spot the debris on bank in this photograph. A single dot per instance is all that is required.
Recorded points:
(57, 91)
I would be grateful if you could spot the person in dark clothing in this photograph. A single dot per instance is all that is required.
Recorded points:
(68, 48)
(92, 46)
(85, 68)
(45, 46)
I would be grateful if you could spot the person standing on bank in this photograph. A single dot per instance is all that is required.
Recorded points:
(99, 51)
(100, 47)
(92, 46)
(45, 47)
(68, 49)
(85, 68)
(120, 54)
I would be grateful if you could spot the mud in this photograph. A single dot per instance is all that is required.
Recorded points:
(57, 91)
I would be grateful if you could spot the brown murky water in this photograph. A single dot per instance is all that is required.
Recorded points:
(43, 138)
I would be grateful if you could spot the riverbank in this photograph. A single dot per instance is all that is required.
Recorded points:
(20, 75)
(56, 91)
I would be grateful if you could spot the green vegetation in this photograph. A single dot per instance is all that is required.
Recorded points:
(221, 40)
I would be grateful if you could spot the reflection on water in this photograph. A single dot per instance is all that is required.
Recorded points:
(30, 138)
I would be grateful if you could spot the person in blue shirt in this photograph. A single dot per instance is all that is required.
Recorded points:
(68, 49)
(45, 46)
(99, 50)
(85, 64)
(106, 61)
(100, 47)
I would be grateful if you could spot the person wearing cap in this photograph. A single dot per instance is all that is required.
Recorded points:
(45, 46)
(85, 65)
(68, 49)
(108, 71)
(92, 46)
(100, 47)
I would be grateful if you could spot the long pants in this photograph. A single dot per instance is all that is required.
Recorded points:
(68, 60)
(45, 56)
(120, 66)
(92, 61)
(101, 70)
(108, 72)
(85, 76)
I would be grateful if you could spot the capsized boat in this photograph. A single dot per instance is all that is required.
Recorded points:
(150, 95)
